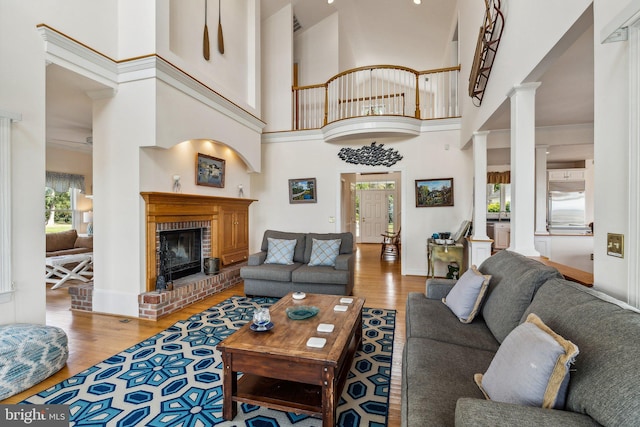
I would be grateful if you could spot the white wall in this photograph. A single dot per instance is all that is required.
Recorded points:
(226, 73)
(530, 32)
(158, 166)
(23, 92)
(316, 50)
(277, 69)
(611, 134)
(425, 156)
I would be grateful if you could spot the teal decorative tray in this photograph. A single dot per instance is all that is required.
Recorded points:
(301, 312)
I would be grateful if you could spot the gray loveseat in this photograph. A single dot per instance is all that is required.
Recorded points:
(276, 280)
(442, 354)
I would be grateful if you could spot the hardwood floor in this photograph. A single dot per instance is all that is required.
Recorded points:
(95, 337)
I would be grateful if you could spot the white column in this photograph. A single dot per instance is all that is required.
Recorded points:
(6, 286)
(523, 144)
(479, 243)
(541, 190)
(480, 186)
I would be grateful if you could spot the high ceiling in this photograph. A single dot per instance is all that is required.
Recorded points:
(378, 26)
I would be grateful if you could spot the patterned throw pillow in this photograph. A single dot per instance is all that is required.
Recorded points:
(465, 297)
(324, 252)
(531, 367)
(280, 251)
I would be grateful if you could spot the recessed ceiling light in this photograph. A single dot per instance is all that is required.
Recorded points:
(417, 1)
(329, 1)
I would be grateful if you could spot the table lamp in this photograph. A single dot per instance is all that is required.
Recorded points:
(87, 218)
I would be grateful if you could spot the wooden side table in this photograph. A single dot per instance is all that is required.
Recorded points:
(444, 253)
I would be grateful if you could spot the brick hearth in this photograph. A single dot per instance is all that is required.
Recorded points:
(153, 305)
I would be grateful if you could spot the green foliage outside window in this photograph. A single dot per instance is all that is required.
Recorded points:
(61, 202)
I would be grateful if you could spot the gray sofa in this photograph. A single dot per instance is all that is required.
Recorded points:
(275, 280)
(441, 354)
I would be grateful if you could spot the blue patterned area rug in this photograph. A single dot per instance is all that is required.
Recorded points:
(174, 378)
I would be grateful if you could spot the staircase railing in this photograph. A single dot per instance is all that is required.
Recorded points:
(382, 90)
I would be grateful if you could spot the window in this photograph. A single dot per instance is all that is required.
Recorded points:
(498, 201)
(61, 213)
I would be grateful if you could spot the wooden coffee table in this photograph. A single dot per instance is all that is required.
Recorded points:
(281, 372)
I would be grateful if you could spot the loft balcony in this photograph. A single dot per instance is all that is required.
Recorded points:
(380, 100)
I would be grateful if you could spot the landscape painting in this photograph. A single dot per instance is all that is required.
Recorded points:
(302, 190)
(434, 192)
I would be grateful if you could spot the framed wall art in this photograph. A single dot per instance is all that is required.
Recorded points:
(434, 192)
(209, 171)
(302, 190)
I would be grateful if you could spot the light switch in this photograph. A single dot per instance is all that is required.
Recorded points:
(332, 219)
(615, 245)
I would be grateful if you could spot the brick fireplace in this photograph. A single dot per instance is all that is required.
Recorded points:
(174, 212)
(223, 222)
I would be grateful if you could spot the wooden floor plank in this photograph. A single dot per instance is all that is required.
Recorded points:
(95, 337)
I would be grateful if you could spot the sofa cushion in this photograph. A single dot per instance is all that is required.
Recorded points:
(434, 375)
(515, 279)
(487, 413)
(465, 297)
(61, 240)
(604, 381)
(84, 242)
(320, 274)
(280, 251)
(274, 272)
(324, 252)
(346, 245)
(530, 368)
(429, 318)
(298, 253)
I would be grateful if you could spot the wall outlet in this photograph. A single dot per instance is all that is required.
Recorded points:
(332, 219)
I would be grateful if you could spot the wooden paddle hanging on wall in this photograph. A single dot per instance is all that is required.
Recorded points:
(205, 37)
(220, 37)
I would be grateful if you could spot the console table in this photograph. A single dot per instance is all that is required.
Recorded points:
(446, 254)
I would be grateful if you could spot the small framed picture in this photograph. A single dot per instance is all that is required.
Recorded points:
(209, 171)
(302, 190)
(434, 192)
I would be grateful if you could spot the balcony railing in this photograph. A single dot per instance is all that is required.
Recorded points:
(382, 90)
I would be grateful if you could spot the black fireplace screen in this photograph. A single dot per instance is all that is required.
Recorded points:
(180, 252)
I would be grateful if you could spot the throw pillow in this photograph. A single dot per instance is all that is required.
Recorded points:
(280, 251)
(465, 298)
(531, 367)
(324, 252)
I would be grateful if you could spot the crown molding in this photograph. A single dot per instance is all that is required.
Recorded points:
(69, 53)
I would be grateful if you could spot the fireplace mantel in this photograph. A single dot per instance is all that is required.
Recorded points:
(229, 235)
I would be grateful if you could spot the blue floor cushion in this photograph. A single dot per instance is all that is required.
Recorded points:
(29, 354)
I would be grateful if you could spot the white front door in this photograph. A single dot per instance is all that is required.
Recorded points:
(374, 215)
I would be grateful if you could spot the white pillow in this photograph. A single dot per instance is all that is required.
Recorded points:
(324, 252)
(465, 298)
(531, 367)
(280, 251)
